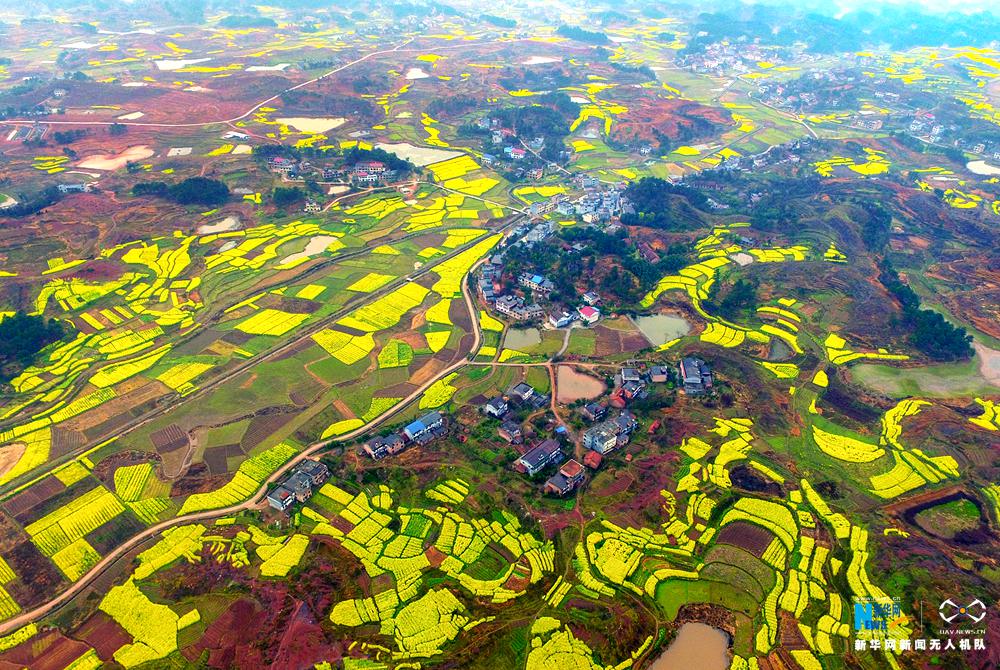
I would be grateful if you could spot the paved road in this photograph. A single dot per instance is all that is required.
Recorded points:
(276, 352)
(42, 610)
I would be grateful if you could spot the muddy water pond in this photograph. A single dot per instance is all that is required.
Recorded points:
(696, 646)
(522, 338)
(661, 328)
(573, 385)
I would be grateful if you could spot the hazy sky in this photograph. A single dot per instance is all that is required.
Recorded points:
(926, 5)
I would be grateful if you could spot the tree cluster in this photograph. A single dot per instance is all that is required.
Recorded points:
(284, 196)
(651, 197)
(191, 191)
(929, 332)
(47, 196)
(21, 338)
(499, 21)
(581, 35)
(68, 136)
(738, 303)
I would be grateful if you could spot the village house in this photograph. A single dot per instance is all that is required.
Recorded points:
(367, 177)
(495, 407)
(695, 376)
(610, 435)
(589, 315)
(594, 411)
(522, 391)
(511, 432)
(630, 375)
(659, 374)
(570, 475)
(382, 446)
(535, 282)
(301, 485)
(602, 438)
(592, 459)
(626, 423)
(298, 486)
(591, 298)
(514, 307)
(632, 390)
(557, 320)
(425, 428)
(316, 471)
(538, 457)
(282, 165)
(525, 393)
(371, 167)
(486, 289)
(281, 498)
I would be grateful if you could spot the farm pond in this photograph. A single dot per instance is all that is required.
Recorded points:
(522, 338)
(697, 645)
(573, 385)
(661, 328)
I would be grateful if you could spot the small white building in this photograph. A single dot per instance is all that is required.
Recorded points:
(557, 320)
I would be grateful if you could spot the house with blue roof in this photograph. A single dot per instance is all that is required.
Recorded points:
(535, 282)
(424, 428)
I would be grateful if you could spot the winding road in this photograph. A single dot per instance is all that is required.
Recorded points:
(113, 556)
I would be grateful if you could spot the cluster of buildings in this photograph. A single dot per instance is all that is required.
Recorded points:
(370, 172)
(603, 437)
(599, 440)
(425, 429)
(739, 55)
(695, 376)
(570, 475)
(508, 304)
(523, 393)
(600, 203)
(516, 308)
(537, 458)
(76, 188)
(544, 453)
(610, 434)
(587, 314)
(362, 173)
(298, 486)
(925, 126)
